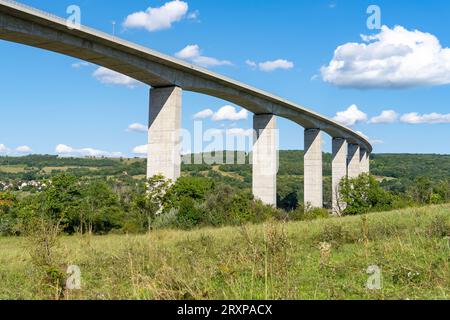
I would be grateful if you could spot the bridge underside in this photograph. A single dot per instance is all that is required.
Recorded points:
(168, 77)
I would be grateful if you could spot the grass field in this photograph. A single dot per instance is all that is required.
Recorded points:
(322, 259)
(12, 169)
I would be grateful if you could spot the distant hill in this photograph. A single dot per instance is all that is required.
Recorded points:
(399, 166)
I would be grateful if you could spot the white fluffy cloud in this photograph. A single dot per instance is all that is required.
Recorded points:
(230, 113)
(140, 150)
(226, 113)
(24, 149)
(350, 116)
(67, 151)
(80, 64)
(4, 150)
(108, 76)
(270, 66)
(387, 116)
(193, 54)
(154, 19)
(204, 114)
(137, 127)
(393, 58)
(431, 118)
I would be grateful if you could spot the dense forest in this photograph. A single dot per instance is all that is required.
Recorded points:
(102, 195)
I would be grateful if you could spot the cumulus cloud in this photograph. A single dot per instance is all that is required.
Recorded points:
(137, 127)
(251, 64)
(376, 141)
(226, 113)
(154, 19)
(108, 76)
(393, 58)
(204, 114)
(140, 150)
(24, 149)
(387, 116)
(350, 116)
(80, 64)
(67, 151)
(193, 54)
(230, 113)
(270, 66)
(431, 118)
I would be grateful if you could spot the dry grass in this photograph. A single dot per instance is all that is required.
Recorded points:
(322, 259)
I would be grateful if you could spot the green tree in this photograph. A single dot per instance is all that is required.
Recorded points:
(148, 201)
(99, 210)
(364, 194)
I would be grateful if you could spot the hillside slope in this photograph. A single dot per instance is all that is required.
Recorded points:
(322, 259)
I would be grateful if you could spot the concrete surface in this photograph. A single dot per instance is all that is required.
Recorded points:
(265, 158)
(313, 168)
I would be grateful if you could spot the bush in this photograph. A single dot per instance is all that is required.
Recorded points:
(189, 214)
(364, 194)
(439, 227)
(308, 214)
(188, 187)
(336, 235)
(166, 220)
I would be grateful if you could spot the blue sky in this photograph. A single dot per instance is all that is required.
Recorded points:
(284, 47)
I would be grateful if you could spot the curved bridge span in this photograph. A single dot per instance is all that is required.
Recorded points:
(168, 77)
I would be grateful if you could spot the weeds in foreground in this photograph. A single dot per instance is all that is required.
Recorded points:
(322, 259)
(43, 235)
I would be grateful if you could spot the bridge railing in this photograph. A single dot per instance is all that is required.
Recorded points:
(32, 9)
(61, 20)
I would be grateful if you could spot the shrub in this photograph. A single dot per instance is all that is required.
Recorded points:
(439, 227)
(166, 220)
(336, 235)
(364, 194)
(302, 214)
(189, 214)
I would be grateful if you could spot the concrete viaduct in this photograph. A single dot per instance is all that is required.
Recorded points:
(168, 77)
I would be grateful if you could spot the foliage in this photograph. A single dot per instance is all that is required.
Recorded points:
(363, 194)
(147, 202)
(99, 196)
(309, 260)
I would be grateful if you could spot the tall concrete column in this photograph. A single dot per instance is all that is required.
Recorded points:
(353, 161)
(164, 142)
(265, 158)
(339, 171)
(364, 161)
(313, 168)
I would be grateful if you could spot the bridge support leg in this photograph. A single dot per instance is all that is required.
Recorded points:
(353, 161)
(265, 158)
(364, 161)
(339, 171)
(313, 168)
(164, 142)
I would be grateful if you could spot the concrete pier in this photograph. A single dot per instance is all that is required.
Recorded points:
(339, 171)
(313, 168)
(364, 161)
(265, 158)
(164, 142)
(353, 161)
